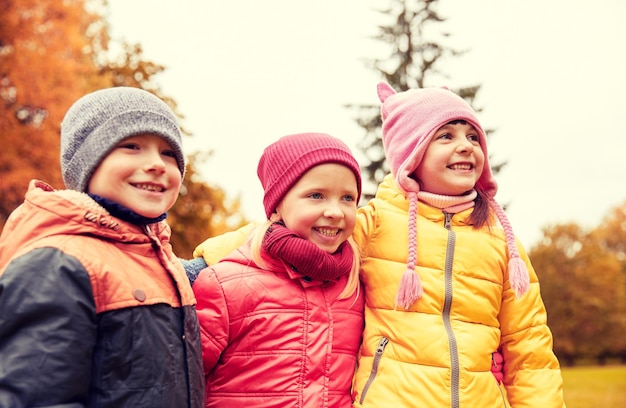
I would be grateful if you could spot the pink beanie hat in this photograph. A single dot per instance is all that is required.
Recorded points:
(410, 120)
(286, 160)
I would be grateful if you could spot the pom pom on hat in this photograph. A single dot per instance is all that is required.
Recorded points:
(100, 120)
(410, 120)
(286, 160)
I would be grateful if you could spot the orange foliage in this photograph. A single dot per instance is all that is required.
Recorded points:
(45, 65)
(52, 53)
(584, 290)
(612, 232)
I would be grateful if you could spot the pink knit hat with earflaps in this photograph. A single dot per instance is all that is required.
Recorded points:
(410, 119)
(286, 160)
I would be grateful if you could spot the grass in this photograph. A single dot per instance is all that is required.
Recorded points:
(594, 386)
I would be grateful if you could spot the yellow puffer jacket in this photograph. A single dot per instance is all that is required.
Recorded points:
(438, 353)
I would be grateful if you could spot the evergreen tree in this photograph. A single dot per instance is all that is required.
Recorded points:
(418, 48)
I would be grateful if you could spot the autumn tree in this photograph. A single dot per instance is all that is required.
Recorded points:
(45, 65)
(418, 48)
(201, 211)
(52, 53)
(584, 290)
(612, 232)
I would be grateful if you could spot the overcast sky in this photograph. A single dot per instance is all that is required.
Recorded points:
(245, 72)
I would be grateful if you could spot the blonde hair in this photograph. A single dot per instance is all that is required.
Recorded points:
(352, 285)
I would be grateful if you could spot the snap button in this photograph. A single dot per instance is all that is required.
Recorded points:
(139, 294)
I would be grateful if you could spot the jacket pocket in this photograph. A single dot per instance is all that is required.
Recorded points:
(377, 357)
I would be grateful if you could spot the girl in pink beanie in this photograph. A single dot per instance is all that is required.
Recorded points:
(281, 317)
(446, 282)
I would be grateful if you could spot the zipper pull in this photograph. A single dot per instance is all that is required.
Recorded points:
(448, 220)
(382, 345)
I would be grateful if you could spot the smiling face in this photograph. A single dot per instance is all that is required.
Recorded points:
(321, 206)
(141, 173)
(453, 161)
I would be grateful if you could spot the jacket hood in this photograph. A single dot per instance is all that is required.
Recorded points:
(48, 212)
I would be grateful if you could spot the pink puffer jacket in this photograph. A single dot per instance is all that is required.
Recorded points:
(271, 339)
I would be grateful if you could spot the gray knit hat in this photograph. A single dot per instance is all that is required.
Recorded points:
(100, 120)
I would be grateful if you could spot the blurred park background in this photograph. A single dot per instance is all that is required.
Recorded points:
(53, 52)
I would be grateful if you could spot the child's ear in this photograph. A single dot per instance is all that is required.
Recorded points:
(275, 217)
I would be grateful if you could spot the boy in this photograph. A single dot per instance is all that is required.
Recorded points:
(95, 310)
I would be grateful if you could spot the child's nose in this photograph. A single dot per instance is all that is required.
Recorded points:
(465, 146)
(155, 162)
(333, 210)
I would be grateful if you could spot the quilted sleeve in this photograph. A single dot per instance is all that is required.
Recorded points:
(532, 376)
(47, 330)
(213, 317)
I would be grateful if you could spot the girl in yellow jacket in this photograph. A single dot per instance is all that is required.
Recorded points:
(446, 282)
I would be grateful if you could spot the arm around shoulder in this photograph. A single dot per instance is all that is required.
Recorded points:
(213, 317)
(216, 248)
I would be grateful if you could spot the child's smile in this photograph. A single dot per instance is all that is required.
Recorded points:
(453, 161)
(140, 173)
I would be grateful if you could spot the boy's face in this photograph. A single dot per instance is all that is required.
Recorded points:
(321, 206)
(453, 161)
(140, 173)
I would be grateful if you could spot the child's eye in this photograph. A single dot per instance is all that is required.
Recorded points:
(128, 145)
(349, 197)
(444, 136)
(316, 196)
(169, 153)
(473, 138)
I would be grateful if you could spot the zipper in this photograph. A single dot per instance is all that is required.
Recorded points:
(379, 354)
(447, 306)
(504, 401)
(154, 241)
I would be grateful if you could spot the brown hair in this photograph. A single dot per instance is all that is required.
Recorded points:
(481, 214)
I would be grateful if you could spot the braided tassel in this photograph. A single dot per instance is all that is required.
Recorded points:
(410, 285)
(518, 272)
(518, 276)
(410, 289)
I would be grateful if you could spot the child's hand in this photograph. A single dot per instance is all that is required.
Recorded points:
(497, 366)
